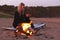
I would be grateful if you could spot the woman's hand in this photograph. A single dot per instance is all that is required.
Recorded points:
(28, 15)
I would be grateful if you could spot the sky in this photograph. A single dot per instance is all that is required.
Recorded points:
(31, 2)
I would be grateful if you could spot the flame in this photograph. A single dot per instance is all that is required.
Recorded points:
(25, 28)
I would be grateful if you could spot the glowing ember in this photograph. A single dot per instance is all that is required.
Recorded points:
(27, 31)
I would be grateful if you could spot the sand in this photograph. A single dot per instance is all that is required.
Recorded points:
(51, 32)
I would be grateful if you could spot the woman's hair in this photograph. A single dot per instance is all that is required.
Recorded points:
(22, 4)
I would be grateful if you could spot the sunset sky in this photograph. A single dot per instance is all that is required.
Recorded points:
(31, 2)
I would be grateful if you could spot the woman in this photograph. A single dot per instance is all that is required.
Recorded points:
(21, 16)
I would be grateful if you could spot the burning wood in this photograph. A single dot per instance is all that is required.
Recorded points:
(25, 29)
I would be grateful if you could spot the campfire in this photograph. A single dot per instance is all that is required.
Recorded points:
(25, 29)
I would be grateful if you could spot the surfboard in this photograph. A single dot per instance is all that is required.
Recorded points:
(38, 25)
